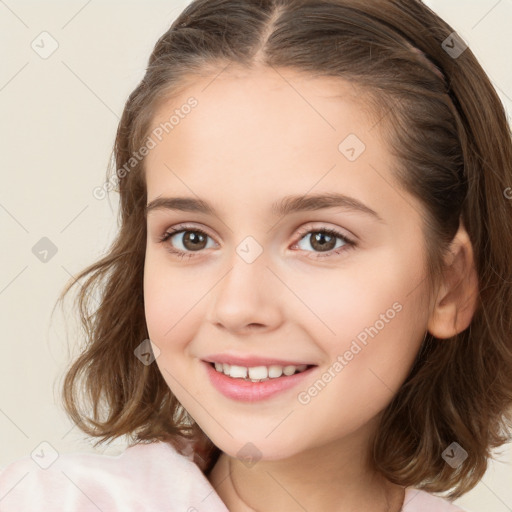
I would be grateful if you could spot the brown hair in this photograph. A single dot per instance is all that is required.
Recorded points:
(448, 129)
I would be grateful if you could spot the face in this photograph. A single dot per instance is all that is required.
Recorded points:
(340, 288)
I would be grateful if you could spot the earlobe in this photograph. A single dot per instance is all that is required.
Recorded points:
(457, 296)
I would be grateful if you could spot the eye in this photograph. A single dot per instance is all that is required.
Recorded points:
(322, 239)
(194, 240)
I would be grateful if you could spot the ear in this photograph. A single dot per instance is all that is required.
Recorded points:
(457, 296)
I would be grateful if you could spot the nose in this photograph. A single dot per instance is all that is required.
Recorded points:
(246, 297)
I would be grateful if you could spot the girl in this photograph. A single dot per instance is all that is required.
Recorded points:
(308, 304)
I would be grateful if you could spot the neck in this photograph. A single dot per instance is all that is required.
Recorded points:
(333, 476)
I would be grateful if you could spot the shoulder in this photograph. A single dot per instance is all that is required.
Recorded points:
(417, 500)
(146, 476)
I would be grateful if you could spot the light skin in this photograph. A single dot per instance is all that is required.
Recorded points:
(251, 140)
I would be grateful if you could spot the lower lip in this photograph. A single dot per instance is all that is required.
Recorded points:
(247, 391)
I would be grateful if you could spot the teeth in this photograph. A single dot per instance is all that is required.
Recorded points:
(258, 373)
(275, 371)
(238, 372)
(289, 370)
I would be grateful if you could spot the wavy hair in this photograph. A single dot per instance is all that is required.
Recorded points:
(447, 128)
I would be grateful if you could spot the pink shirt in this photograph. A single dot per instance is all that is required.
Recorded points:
(145, 477)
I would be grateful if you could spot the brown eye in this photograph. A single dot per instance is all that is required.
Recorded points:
(325, 241)
(193, 240)
(186, 240)
(322, 241)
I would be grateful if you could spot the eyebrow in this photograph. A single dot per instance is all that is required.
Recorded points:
(287, 205)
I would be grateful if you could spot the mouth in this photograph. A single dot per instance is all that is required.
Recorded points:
(239, 383)
(260, 373)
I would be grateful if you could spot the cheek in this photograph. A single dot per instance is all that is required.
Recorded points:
(382, 326)
(379, 290)
(171, 302)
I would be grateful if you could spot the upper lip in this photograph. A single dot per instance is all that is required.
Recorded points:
(251, 361)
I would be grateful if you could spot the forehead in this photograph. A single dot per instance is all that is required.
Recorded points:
(265, 96)
(268, 133)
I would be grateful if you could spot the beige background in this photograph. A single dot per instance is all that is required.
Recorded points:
(59, 117)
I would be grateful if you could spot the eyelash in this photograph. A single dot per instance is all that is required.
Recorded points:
(349, 244)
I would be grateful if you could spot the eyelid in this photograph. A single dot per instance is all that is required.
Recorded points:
(301, 232)
(189, 227)
(349, 241)
(180, 228)
(341, 232)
